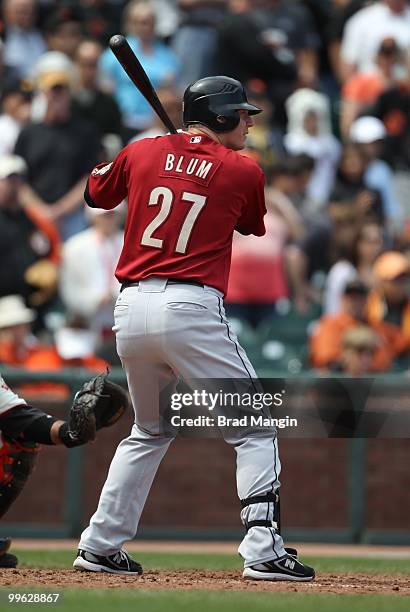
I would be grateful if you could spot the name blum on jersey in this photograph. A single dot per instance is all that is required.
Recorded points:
(186, 167)
(195, 165)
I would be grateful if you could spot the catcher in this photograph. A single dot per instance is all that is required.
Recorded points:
(99, 403)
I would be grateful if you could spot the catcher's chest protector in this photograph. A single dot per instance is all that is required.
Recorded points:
(17, 461)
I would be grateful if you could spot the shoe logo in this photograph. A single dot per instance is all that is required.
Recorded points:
(290, 564)
(117, 558)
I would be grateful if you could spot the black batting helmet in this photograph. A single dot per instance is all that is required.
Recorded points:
(214, 102)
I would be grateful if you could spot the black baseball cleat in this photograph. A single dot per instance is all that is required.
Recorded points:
(8, 560)
(118, 563)
(285, 568)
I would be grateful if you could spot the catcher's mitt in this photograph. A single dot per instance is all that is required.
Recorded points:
(99, 403)
(17, 460)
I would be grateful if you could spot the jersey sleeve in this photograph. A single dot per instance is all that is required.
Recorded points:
(107, 184)
(251, 219)
(8, 399)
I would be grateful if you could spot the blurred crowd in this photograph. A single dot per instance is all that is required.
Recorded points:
(333, 79)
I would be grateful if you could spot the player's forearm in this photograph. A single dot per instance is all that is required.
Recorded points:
(55, 432)
(32, 425)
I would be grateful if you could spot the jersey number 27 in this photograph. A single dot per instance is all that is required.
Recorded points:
(197, 203)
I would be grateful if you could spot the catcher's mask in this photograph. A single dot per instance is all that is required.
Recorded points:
(215, 102)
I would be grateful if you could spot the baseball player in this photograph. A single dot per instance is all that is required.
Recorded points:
(99, 403)
(187, 193)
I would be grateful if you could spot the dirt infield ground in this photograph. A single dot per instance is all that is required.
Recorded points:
(347, 583)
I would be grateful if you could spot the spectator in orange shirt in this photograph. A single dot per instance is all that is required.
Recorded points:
(326, 343)
(363, 88)
(389, 302)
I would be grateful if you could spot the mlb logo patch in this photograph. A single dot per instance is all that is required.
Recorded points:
(195, 139)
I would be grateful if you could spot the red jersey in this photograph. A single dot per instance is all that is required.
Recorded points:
(186, 195)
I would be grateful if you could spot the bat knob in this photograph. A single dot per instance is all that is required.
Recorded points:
(117, 41)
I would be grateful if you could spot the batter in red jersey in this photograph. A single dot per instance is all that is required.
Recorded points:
(187, 193)
(186, 196)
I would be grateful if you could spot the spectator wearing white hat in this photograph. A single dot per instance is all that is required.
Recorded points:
(368, 133)
(20, 348)
(309, 132)
(88, 285)
(16, 339)
(13, 311)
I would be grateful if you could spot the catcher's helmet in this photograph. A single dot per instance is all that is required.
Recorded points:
(214, 102)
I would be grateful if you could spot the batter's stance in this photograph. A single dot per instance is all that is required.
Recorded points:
(187, 193)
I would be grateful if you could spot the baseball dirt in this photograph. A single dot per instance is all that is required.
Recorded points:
(343, 583)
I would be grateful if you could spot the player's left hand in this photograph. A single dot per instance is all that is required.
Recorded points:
(99, 403)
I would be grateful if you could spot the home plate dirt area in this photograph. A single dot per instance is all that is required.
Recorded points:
(350, 583)
(376, 582)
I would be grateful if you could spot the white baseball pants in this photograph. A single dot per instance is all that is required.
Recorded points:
(165, 331)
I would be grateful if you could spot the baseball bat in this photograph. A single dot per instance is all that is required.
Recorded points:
(132, 66)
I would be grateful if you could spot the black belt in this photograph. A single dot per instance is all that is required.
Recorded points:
(171, 281)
